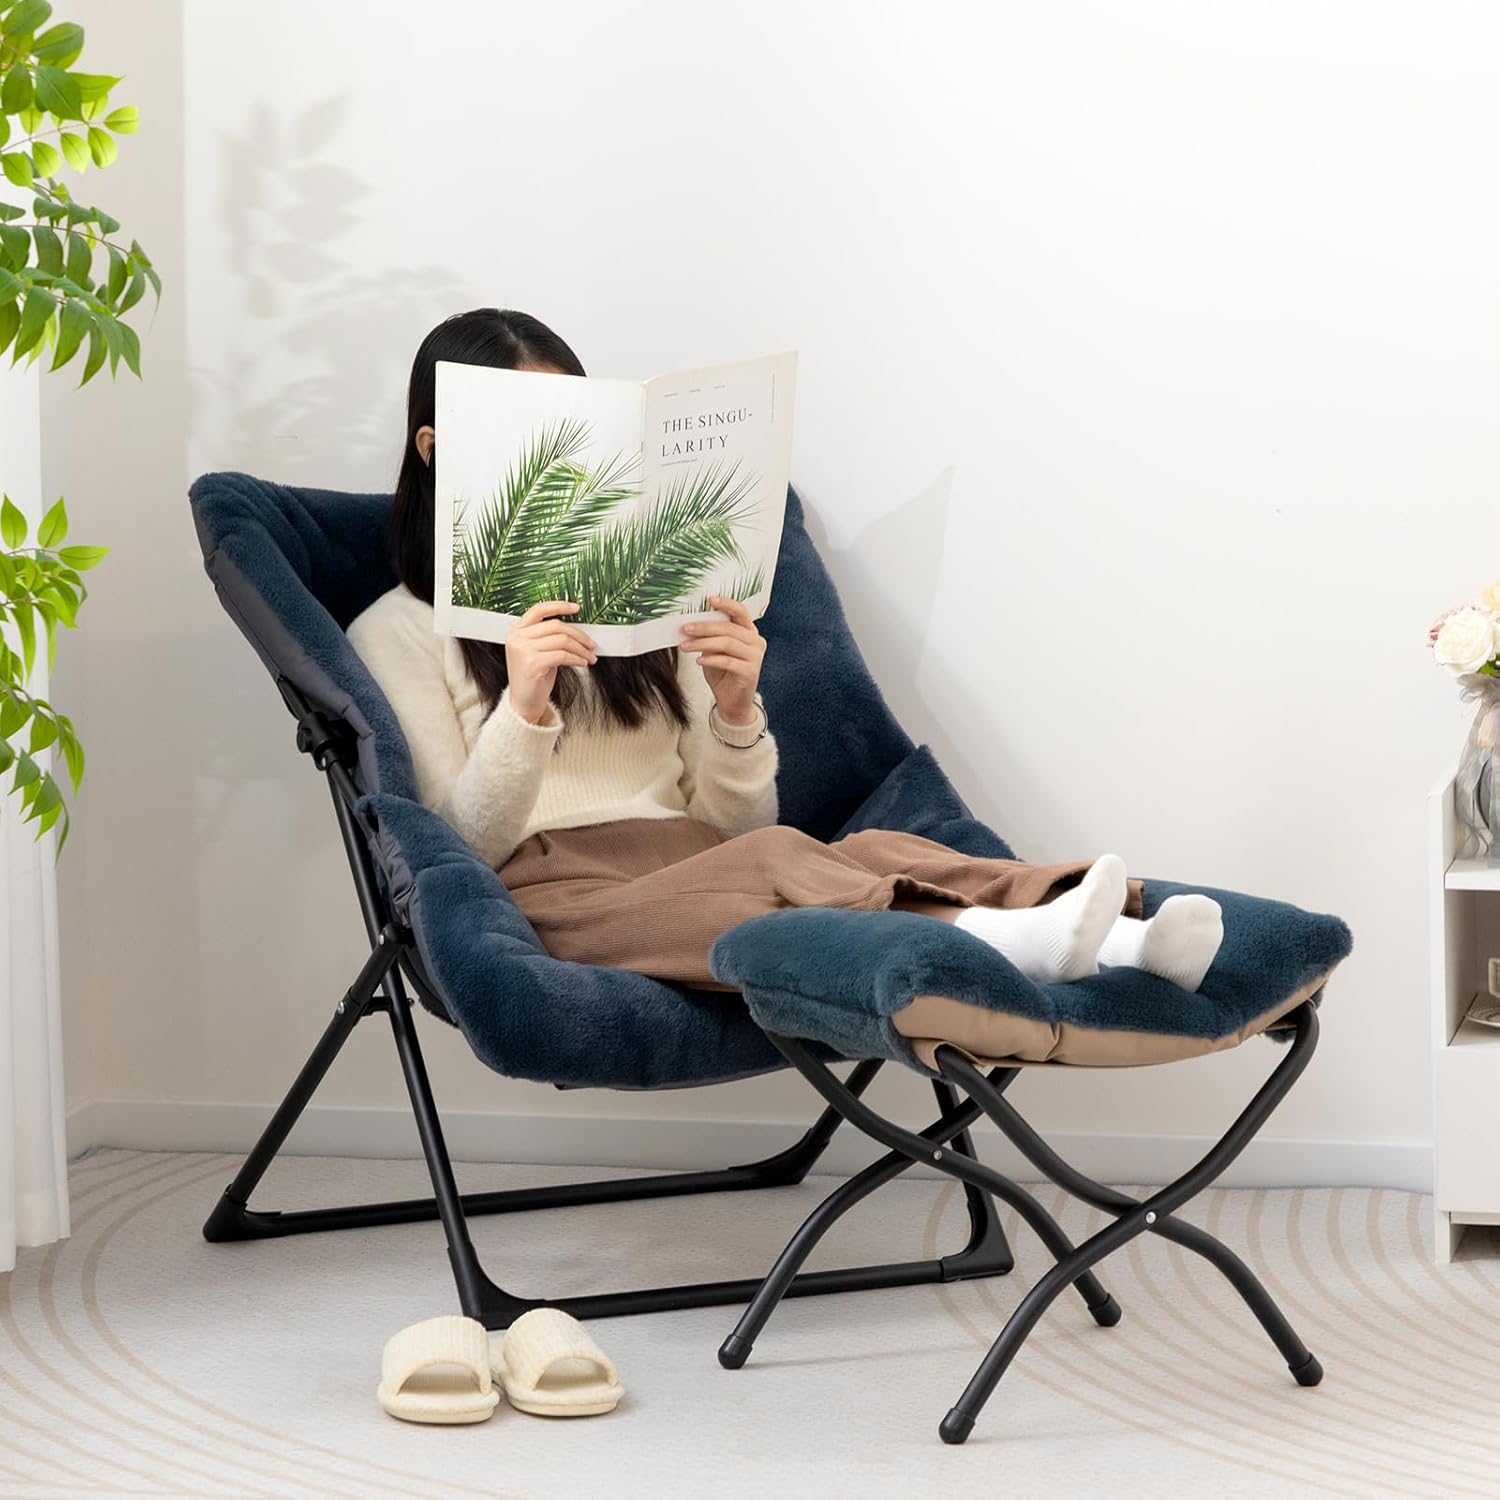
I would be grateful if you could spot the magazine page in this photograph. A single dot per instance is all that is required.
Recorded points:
(636, 502)
(530, 466)
(717, 458)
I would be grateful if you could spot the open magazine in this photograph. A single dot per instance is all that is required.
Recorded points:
(636, 499)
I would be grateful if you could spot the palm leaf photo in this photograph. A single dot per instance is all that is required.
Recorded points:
(541, 513)
(648, 565)
(745, 586)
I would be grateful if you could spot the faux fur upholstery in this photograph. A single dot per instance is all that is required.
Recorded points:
(294, 566)
(838, 976)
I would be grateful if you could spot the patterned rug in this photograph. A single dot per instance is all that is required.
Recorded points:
(137, 1360)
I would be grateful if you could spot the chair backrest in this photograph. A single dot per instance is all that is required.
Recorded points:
(293, 566)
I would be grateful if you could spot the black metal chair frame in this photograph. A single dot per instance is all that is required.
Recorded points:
(379, 987)
(945, 1144)
(1074, 1264)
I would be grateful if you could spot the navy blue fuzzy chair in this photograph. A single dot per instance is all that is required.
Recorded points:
(294, 566)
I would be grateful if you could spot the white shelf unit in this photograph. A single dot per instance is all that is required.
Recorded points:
(1464, 933)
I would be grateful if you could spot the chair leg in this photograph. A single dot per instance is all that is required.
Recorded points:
(987, 1249)
(984, 1254)
(1152, 1214)
(233, 1219)
(962, 1165)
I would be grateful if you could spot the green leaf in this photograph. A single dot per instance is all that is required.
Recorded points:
(83, 558)
(76, 150)
(59, 45)
(7, 756)
(97, 350)
(10, 320)
(123, 121)
(12, 524)
(14, 712)
(54, 525)
(35, 313)
(49, 798)
(110, 328)
(94, 87)
(4, 128)
(23, 617)
(74, 322)
(45, 160)
(27, 772)
(10, 210)
(49, 250)
(16, 92)
(11, 285)
(102, 147)
(58, 94)
(15, 245)
(31, 119)
(25, 18)
(43, 732)
(117, 274)
(17, 167)
(135, 291)
(130, 349)
(80, 258)
(72, 754)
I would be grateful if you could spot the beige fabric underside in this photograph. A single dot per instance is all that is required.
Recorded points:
(993, 1038)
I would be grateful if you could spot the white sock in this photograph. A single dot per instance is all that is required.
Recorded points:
(1059, 941)
(1178, 943)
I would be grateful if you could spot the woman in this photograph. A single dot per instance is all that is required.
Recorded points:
(629, 803)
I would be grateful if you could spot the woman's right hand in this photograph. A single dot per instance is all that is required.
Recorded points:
(538, 644)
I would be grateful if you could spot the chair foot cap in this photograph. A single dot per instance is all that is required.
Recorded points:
(1106, 1313)
(956, 1426)
(734, 1351)
(1309, 1372)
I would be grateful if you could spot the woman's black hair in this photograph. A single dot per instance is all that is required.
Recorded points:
(629, 688)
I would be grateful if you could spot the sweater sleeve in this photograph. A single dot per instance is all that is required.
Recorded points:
(729, 787)
(486, 794)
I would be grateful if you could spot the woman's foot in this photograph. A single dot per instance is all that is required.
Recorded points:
(1059, 941)
(1178, 943)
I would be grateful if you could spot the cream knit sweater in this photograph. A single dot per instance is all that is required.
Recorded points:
(498, 779)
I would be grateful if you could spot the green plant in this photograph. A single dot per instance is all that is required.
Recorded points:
(66, 284)
(542, 535)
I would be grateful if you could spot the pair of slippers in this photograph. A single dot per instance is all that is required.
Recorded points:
(446, 1369)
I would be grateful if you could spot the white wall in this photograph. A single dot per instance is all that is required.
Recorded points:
(1149, 370)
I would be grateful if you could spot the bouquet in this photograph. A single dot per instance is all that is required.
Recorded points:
(1466, 641)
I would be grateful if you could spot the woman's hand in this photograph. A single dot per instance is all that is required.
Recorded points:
(536, 647)
(731, 653)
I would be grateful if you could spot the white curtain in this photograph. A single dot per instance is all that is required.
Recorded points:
(33, 1149)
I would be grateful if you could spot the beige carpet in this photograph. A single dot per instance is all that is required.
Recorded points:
(137, 1360)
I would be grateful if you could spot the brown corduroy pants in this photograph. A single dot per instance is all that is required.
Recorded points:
(652, 894)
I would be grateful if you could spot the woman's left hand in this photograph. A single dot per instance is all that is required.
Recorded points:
(731, 652)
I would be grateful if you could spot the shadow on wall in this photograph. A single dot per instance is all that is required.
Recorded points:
(317, 374)
(888, 579)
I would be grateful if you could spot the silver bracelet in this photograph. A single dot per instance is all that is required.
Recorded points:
(765, 725)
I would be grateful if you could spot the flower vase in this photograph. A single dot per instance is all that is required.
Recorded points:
(1476, 788)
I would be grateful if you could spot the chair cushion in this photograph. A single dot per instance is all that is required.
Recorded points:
(294, 566)
(895, 984)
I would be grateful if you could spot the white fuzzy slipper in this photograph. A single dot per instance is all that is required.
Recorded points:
(438, 1371)
(548, 1365)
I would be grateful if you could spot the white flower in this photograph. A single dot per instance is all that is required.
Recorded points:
(1490, 598)
(1467, 640)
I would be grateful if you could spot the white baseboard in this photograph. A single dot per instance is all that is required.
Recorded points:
(684, 1144)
